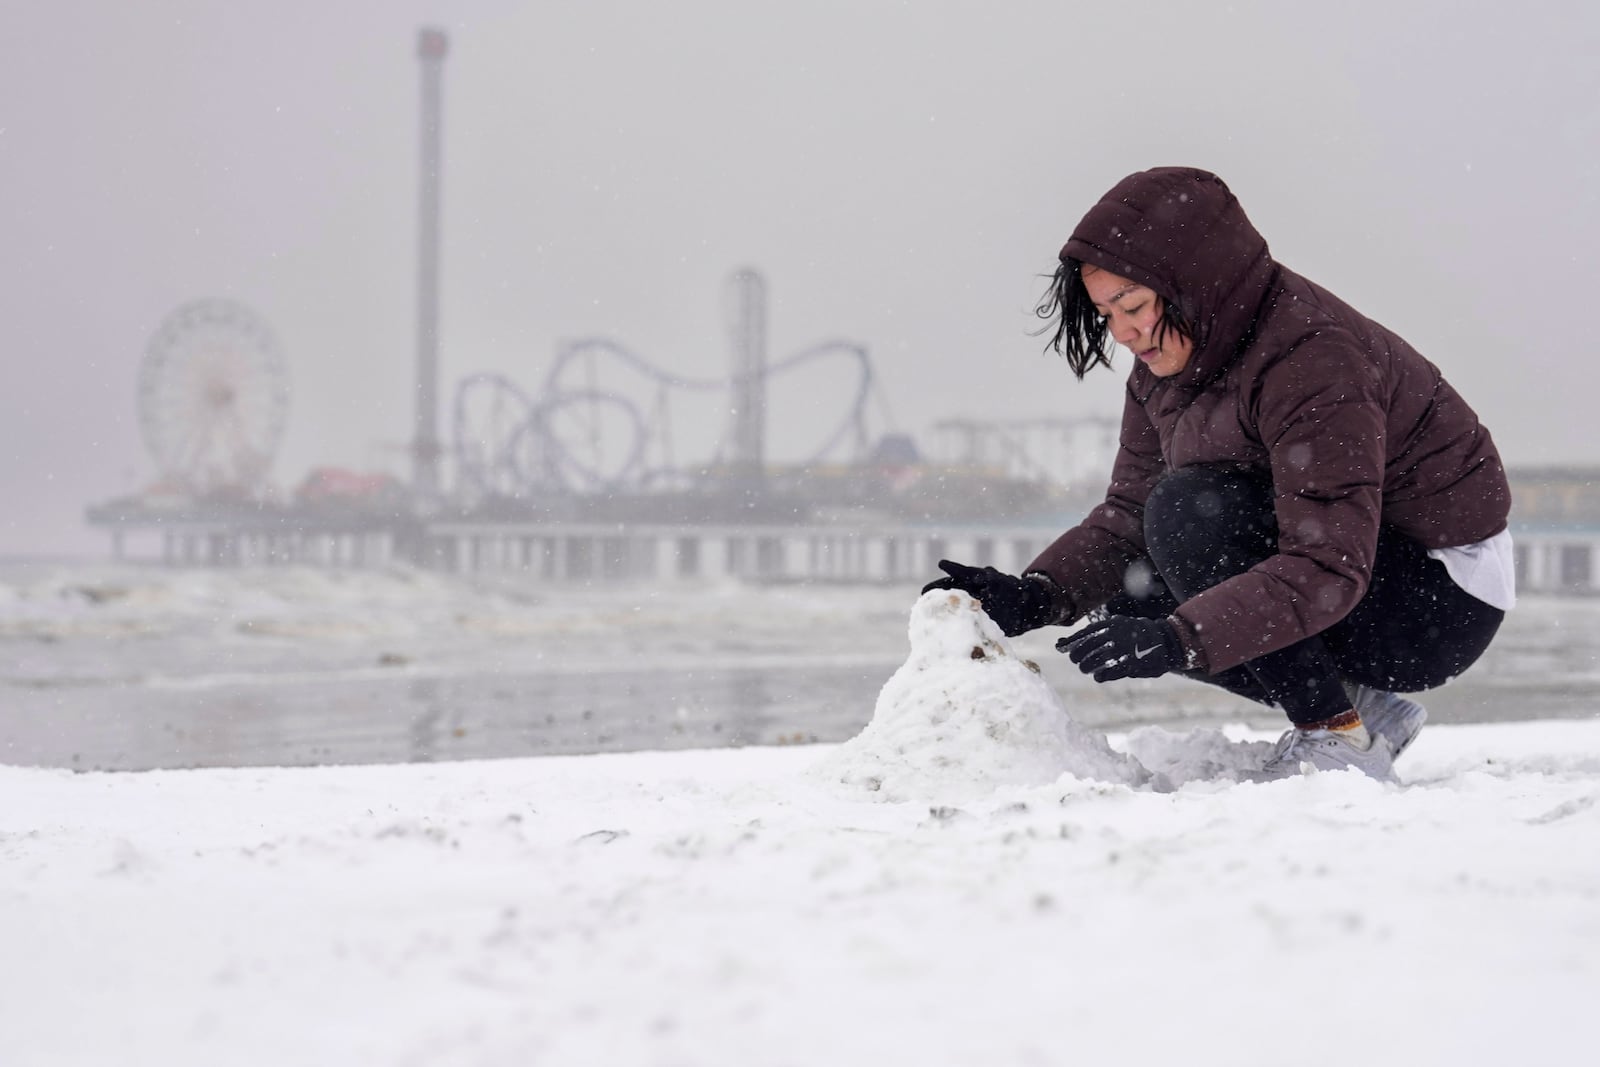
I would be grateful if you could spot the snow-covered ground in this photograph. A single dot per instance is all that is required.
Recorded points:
(732, 907)
(930, 892)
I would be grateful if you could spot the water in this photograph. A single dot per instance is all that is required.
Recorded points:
(131, 668)
(399, 719)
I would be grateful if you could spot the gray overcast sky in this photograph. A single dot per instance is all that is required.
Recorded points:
(901, 172)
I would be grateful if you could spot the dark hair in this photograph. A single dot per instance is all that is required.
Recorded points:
(1080, 333)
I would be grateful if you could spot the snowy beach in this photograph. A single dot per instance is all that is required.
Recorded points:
(748, 905)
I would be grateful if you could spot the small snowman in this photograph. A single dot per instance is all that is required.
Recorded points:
(964, 715)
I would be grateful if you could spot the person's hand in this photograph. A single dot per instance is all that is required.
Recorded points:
(1016, 605)
(1123, 647)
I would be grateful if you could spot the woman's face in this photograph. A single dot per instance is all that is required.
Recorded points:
(1131, 312)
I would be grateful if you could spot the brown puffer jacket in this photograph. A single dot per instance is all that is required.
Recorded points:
(1355, 426)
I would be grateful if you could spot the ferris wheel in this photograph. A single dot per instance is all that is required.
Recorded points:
(213, 397)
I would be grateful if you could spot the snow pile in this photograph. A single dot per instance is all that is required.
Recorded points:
(965, 716)
(1204, 754)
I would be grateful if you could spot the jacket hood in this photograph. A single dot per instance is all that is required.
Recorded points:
(1181, 232)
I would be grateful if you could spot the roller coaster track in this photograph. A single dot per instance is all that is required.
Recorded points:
(507, 442)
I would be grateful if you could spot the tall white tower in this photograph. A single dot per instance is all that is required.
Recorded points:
(432, 44)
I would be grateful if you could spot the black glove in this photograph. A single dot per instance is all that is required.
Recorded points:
(1123, 647)
(1017, 605)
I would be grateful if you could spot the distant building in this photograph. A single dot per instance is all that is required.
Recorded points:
(1555, 524)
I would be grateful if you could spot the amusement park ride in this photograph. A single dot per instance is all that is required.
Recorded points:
(601, 423)
(213, 399)
(584, 477)
(594, 441)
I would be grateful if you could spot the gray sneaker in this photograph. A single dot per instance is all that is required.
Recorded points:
(1327, 750)
(1390, 716)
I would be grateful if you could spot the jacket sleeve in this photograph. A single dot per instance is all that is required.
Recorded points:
(1321, 412)
(1088, 561)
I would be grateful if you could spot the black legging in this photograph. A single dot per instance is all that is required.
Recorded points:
(1414, 629)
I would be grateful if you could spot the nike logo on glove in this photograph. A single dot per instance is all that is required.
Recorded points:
(1141, 653)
